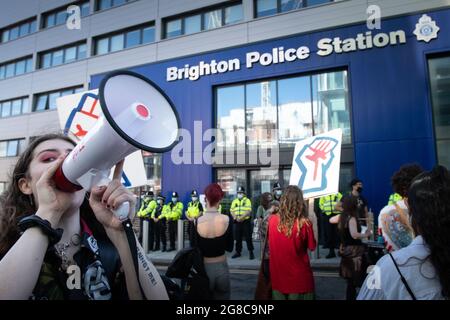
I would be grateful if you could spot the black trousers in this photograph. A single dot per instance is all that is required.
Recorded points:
(172, 233)
(331, 232)
(243, 229)
(160, 234)
(151, 234)
(191, 229)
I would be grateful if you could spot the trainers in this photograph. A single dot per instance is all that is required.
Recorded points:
(236, 255)
(252, 256)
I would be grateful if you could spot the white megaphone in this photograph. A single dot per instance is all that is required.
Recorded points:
(136, 115)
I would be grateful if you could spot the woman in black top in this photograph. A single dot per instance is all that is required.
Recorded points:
(214, 237)
(352, 250)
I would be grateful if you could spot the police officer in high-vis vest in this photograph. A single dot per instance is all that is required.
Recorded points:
(144, 213)
(173, 214)
(194, 211)
(241, 211)
(327, 205)
(158, 217)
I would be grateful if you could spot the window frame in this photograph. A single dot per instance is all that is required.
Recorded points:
(305, 4)
(46, 95)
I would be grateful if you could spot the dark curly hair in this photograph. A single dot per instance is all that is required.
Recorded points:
(15, 205)
(429, 203)
(401, 180)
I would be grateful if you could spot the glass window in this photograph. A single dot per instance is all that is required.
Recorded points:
(286, 177)
(50, 20)
(294, 110)
(61, 17)
(14, 33)
(230, 117)
(29, 66)
(78, 90)
(57, 57)
(5, 35)
(3, 145)
(10, 69)
(229, 180)
(52, 100)
(24, 29)
(20, 67)
(173, 28)
(261, 114)
(118, 2)
(316, 2)
(233, 14)
(2, 185)
(12, 148)
(133, 38)
(440, 92)
(25, 105)
(41, 102)
(85, 9)
(102, 46)
(117, 42)
(82, 52)
(66, 92)
(70, 54)
(331, 109)
(261, 181)
(16, 107)
(46, 60)
(288, 5)
(193, 24)
(148, 35)
(104, 4)
(33, 26)
(2, 72)
(21, 146)
(266, 8)
(213, 19)
(6, 109)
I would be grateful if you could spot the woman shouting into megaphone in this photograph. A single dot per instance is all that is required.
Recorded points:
(58, 245)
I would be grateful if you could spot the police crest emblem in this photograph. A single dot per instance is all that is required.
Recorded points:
(427, 29)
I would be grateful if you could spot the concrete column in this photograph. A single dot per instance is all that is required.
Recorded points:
(180, 234)
(145, 227)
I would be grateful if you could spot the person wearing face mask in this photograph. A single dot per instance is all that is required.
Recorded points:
(241, 211)
(144, 213)
(173, 214)
(357, 188)
(159, 219)
(277, 191)
(194, 211)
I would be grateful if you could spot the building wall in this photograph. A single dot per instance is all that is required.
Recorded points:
(251, 30)
(391, 110)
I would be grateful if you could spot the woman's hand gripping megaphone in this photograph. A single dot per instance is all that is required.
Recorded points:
(111, 202)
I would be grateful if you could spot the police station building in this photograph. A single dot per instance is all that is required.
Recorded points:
(268, 73)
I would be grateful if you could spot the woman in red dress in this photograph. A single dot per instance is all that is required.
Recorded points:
(290, 236)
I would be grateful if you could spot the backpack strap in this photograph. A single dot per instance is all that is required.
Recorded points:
(403, 278)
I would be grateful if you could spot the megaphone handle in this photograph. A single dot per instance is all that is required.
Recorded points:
(122, 211)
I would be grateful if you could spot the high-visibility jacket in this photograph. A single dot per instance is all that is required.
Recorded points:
(328, 203)
(393, 198)
(147, 208)
(173, 212)
(240, 207)
(158, 212)
(194, 209)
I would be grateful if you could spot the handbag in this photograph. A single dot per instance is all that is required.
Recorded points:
(188, 266)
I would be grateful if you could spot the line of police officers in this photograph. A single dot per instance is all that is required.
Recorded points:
(160, 215)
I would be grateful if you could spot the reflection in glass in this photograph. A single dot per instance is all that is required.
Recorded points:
(148, 35)
(133, 38)
(440, 91)
(233, 14)
(12, 148)
(294, 110)
(102, 46)
(266, 7)
(70, 55)
(288, 5)
(330, 106)
(6, 109)
(261, 181)
(192, 24)
(57, 57)
(173, 28)
(261, 114)
(117, 42)
(230, 117)
(229, 180)
(213, 19)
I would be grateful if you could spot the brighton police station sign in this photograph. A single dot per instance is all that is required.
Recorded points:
(426, 30)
